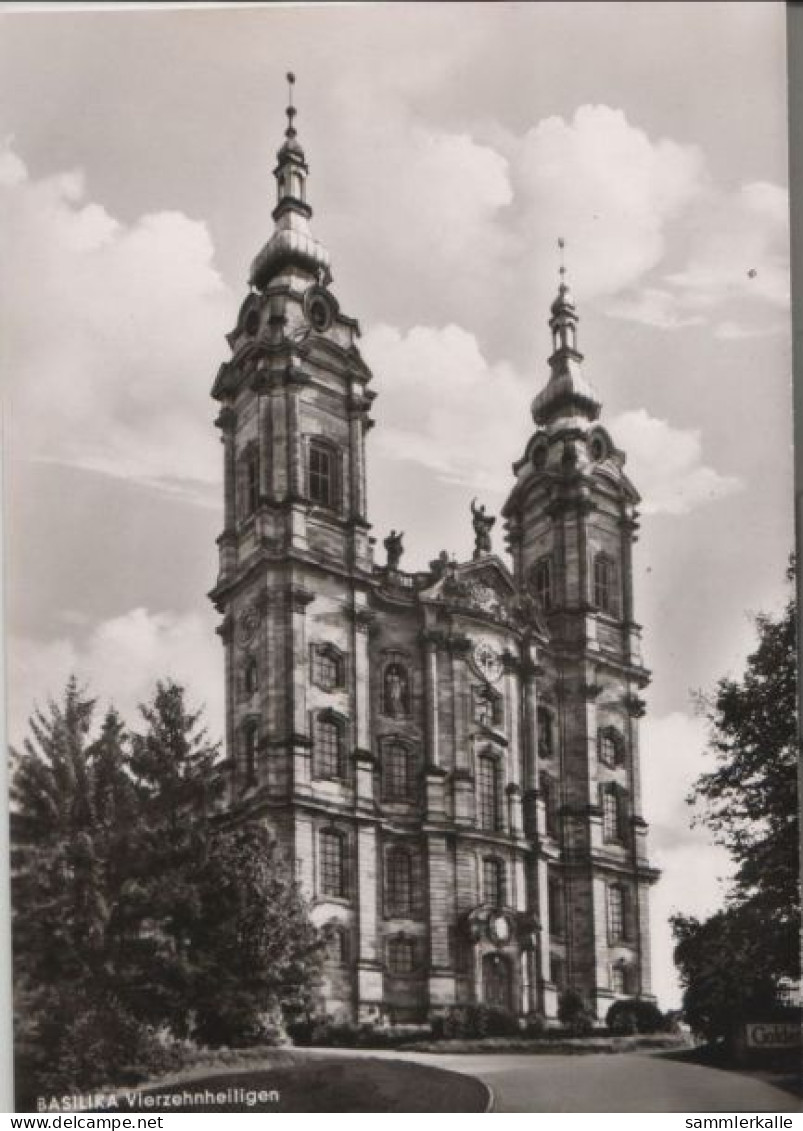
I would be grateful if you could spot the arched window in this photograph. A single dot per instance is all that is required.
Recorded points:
(337, 945)
(399, 882)
(323, 478)
(619, 979)
(605, 584)
(543, 583)
(546, 733)
(327, 667)
(401, 955)
(489, 793)
(487, 707)
(617, 913)
(250, 676)
(398, 772)
(611, 815)
(332, 860)
(396, 691)
(250, 750)
(610, 745)
(329, 753)
(249, 480)
(556, 917)
(493, 881)
(549, 794)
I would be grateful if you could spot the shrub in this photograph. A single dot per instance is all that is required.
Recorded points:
(329, 1033)
(623, 1023)
(571, 1004)
(71, 1041)
(647, 1015)
(536, 1026)
(581, 1025)
(473, 1022)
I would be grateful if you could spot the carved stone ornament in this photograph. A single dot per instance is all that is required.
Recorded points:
(487, 661)
(247, 624)
(483, 596)
(499, 929)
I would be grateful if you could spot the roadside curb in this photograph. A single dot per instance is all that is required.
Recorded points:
(491, 1098)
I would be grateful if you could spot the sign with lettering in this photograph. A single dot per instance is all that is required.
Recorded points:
(772, 1035)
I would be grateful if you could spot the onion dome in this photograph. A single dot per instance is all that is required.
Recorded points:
(567, 393)
(292, 244)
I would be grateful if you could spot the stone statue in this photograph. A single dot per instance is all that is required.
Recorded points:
(483, 524)
(396, 691)
(440, 565)
(394, 547)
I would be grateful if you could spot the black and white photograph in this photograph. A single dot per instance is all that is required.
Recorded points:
(400, 621)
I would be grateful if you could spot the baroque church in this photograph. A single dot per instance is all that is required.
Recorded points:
(449, 757)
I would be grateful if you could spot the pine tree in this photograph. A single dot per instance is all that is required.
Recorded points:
(255, 952)
(174, 766)
(61, 897)
(73, 809)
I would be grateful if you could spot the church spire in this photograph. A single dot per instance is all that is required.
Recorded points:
(292, 244)
(567, 393)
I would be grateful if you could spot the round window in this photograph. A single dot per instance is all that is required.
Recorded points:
(598, 449)
(320, 315)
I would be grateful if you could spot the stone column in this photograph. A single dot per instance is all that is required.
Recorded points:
(225, 631)
(529, 740)
(356, 411)
(369, 962)
(265, 445)
(298, 599)
(364, 758)
(296, 470)
(435, 772)
(442, 983)
(463, 777)
(227, 542)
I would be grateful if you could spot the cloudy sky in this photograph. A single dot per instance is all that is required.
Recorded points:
(449, 147)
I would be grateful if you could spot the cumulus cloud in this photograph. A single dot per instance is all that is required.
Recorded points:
(667, 464)
(111, 331)
(446, 407)
(120, 660)
(609, 189)
(736, 249)
(653, 306)
(740, 250)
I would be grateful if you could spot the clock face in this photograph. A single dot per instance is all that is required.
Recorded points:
(488, 661)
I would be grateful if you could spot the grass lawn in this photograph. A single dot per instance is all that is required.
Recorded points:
(328, 1085)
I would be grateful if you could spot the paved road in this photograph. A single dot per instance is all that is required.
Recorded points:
(617, 1082)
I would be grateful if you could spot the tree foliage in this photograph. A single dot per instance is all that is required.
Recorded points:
(749, 799)
(254, 949)
(731, 964)
(133, 910)
(723, 968)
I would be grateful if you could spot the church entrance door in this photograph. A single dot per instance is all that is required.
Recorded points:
(497, 988)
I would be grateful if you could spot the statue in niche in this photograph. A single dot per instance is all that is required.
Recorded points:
(395, 548)
(483, 524)
(397, 691)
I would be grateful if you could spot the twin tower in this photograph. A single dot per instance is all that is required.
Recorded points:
(449, 758)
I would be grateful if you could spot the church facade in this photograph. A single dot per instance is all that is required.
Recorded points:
(449, 757)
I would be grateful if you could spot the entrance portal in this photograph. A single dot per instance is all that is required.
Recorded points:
(497, 983)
